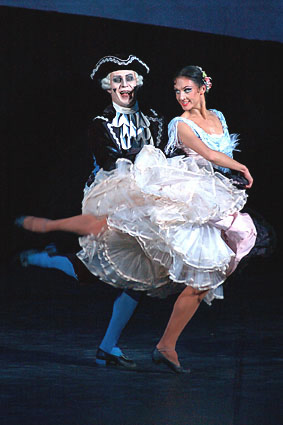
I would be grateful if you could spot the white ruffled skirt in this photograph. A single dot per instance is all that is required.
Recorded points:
(171, 223)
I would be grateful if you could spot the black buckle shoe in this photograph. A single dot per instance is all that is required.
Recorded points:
(158, 357)
(106, 359)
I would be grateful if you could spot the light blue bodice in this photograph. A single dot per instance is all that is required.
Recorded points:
(224, 143)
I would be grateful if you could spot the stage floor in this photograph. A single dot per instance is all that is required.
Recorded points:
(50, 330)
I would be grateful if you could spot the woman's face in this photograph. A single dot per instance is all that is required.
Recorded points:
(188, 93)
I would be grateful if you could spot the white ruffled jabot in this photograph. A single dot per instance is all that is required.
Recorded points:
(133, 125)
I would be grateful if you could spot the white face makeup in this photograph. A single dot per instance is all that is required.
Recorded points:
(123, 88)
(188, 94)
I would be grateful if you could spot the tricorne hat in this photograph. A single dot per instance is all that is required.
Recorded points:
(111, 63)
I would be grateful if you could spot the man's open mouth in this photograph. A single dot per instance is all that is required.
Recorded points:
(126, 92)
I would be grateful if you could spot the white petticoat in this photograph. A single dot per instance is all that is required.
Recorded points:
(172, 222)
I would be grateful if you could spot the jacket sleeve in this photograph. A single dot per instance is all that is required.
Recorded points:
(101, 149)
(102, 146)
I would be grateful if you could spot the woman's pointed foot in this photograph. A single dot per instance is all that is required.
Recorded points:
(159, 357)
(33, 224)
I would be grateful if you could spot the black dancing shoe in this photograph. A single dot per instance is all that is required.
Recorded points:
(158, 357)
(106, 359)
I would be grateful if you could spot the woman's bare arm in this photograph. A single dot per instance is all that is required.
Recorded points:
(189, 139)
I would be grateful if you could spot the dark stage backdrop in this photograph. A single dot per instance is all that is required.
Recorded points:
(48, 98)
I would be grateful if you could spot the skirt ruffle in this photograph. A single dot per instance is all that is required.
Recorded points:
(171, 223)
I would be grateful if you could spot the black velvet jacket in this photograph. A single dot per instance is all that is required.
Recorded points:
(104, 147)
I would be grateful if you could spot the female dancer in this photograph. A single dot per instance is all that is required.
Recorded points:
(165, 225)
(202, 133)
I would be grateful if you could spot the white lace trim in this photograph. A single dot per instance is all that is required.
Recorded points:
(160, 126)
(118, 61)
(100, 117)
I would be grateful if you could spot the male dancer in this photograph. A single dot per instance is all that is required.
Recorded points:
(119, 132)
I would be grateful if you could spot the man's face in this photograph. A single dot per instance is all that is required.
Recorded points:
(123, 89)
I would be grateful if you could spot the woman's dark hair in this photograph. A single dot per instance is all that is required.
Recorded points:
(197, 75)
(192, 72)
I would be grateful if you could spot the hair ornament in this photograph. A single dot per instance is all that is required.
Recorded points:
(207, 81)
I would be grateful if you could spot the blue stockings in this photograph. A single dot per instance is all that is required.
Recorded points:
(123, 309)
(59, 262)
